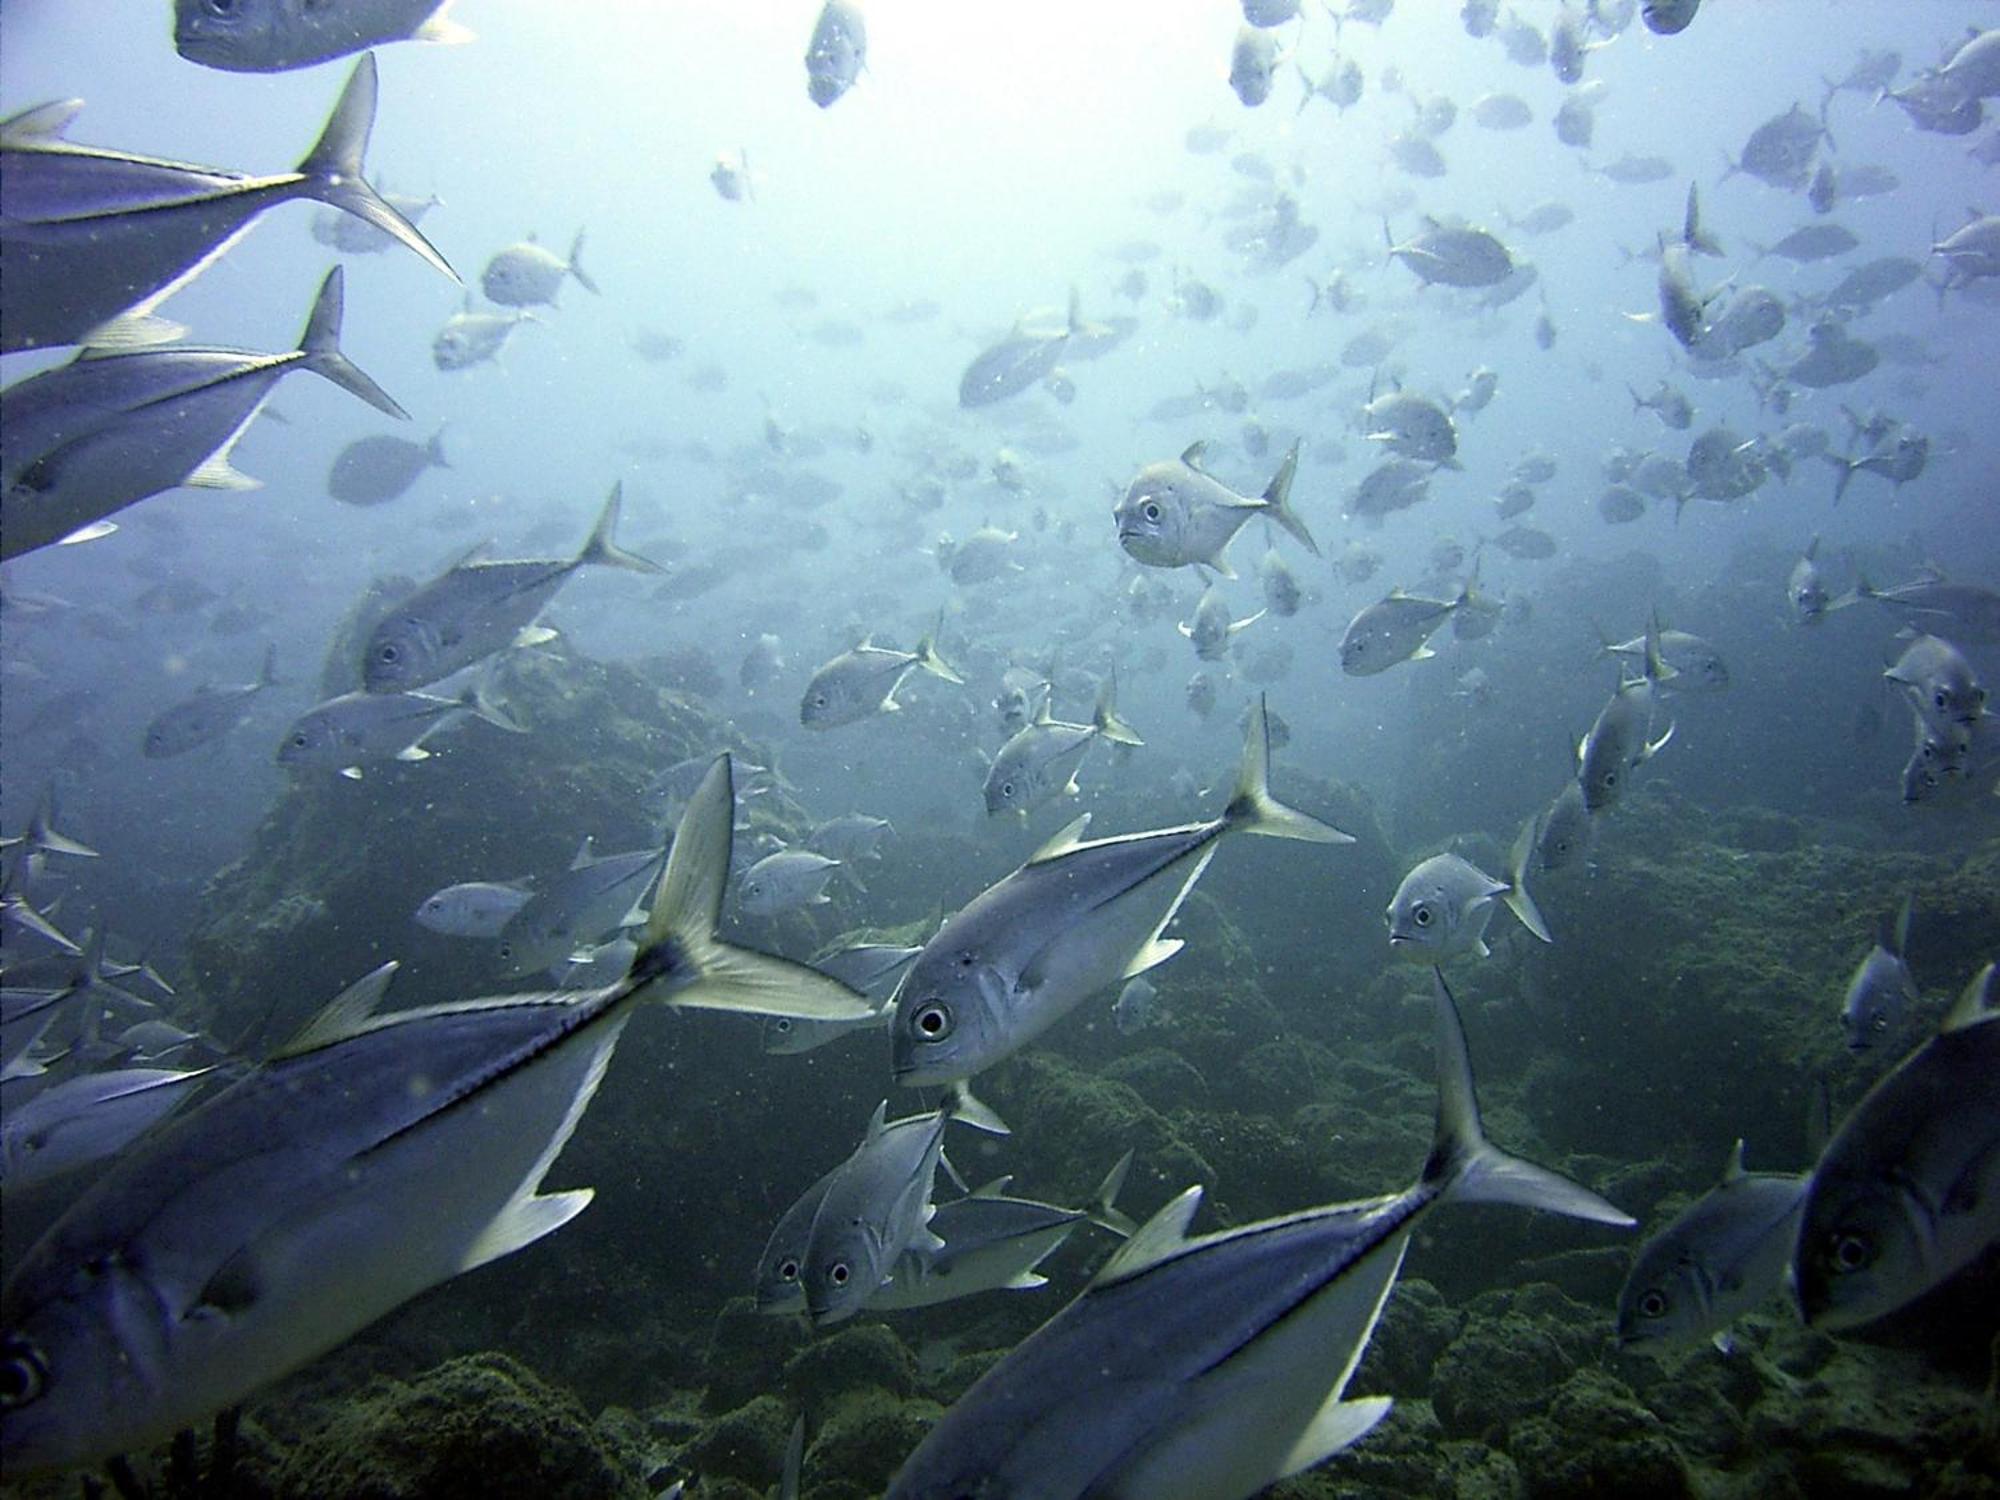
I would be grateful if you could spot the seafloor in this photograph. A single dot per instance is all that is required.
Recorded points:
(1288, 1065)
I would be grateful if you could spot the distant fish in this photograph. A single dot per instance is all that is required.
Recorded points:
(1881, 987)
(477, 608)
(1620, 740)
(1174, 513)
(1443, 905)
(272, 36)
(1395, 628)
(356, 729)
(568, 913)
(837, 51)
(376, 470)
(472, 909)
(785, 881)
(1453, 254)
(1025, 358)
(1253, 63)
(1565, 830)
(1136, 1006)
(1039, 763)
(472, 337)
(208, 715)
(93, 240)
(861, 683)
(527, 275)
(1668, 17)
(1212, 629)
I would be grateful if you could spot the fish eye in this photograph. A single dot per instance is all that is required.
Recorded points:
(1007, 790)
(932, 1021)
(1611, 778)
(299, 741)
(838, 1273)
(24, 1376)
(1851, 1252)
(819, 700)
(782, 1025)
(506, 950)
(788, 1270)
(389, 654)
(1421, 915)
(1653, 1304)
(1941, 698)
(1152, 511)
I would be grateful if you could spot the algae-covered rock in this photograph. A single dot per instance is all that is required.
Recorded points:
(747, 1444)
(1161, 1077)
(863, 1443)
(1416, 1327)
(1516, 1347)
(484, 1427)
(1596, 1439)
(865, 1356)
(748, 1351)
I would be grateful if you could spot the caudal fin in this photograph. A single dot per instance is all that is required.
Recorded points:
(602, 551)
(1278, 496)
(1252, 808)
(321, 348)
(1519, 902)
(680, 958)
(576, 265)
(1467, 1167)
(928, 658)
(332, 168)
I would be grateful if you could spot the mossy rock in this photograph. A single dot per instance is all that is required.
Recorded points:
(865, 1356)
(747, 1444)
(484, 1427)
(1514, 1349)
(1161, 1077)
(1597, 1440)
(855, 1454)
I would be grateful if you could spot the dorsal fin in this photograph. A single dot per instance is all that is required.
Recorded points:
(344, 1014)
(1732, 1169)
(997, 1188)
(1159, 1237)
(877, 1121)
(1066, 839)
(44, 122)
(583, 857)
(1192, 454)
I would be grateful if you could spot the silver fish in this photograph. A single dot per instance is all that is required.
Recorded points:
(1282, 594)
(1881, 988)
(994, 1242)
(1806, 589)
(1971, 613)
(527, 275)
(1941, 684)
(1414, 427)
(1453, 254)
(470, 337)
(1719, 1258)
(1908, 1190)
(1393, 629)
(371, 1159)
(376, 470)
(271, 36)
(87, 1119)
(1211, 629)
(1078, 918)
(785, 881)
(471, 909)
(1212, 1366)
(856, 836)
(1039, 763)
(837, 52)
(1565, 830)
(564, 915)
(1253, 63)
(1134, 1009)
(352, 236)
(1025, 358)
(476, 609)
(1175, 513)
(1668, 17)
(1697, 666)
(1898, 461)
(1620, 740)
(129, 425)
(1671, 406)
(92, 240)
(1445, 902)
(876, 1208)
(208, 715)
(861, 683)
(345, 733)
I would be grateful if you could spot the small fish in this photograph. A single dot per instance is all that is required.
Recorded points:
(566, 914)
(1282, 594)
(1393, 629)
(1445, 903)
(527, 275)
(1039, 763)
(1881, 988)
(1696, 665)
(1253, 64)
(1216, 1365)
(1077, 918)
(1565, 830)
(1668, 17)
(1670, 405)
(786, 881)
(369, 1160)
(1719, 1258)
(472, 909)
(837, 52)
(1201, 692)
(1211, 630)
(471, 338)
(994, 1242)
(1453, 254)
(475, 609)
(93, 240)
(1970, 612)
(861, 683)
(730, 177)
(208, 715)
(855, 836)
(876, 1208)
(1413, 427)
(1021, 361)
(273, 36)
(1806, 591)
(1940, 682)
(88, 1118)
(1907, 1192)
(1175, 514)
(1134, 1009)
(376, 470)
(345, 733)
(1620, 740)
